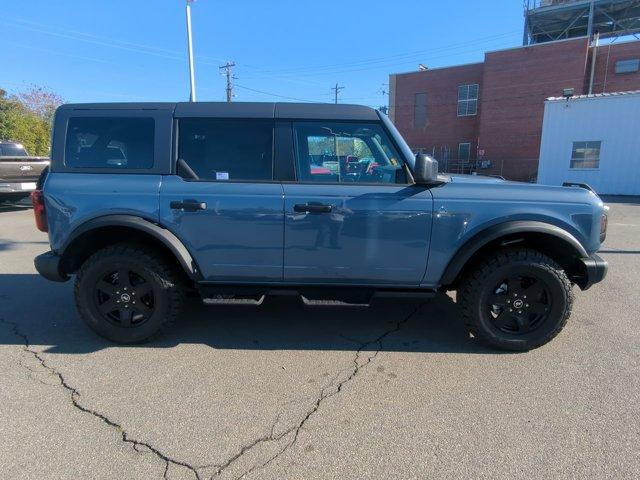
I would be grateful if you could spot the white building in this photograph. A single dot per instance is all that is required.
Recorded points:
(593, 139)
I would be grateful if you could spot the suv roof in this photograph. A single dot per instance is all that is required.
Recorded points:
(320, 111)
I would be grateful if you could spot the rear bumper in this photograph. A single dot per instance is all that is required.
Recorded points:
(595, 269)
(48, 265)
(17, 188)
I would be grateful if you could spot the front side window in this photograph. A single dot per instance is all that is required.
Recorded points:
(110, 142)
(467, 100)
(346, 153)
(585, 155)
(225, 150)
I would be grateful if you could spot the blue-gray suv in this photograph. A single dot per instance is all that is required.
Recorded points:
(147, 202)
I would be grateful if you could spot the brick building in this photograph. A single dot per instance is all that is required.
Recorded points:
(488, 116)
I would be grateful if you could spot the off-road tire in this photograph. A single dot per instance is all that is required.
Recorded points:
(162, 278)
(477, 285)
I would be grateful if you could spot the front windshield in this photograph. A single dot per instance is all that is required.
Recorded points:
(406, 151)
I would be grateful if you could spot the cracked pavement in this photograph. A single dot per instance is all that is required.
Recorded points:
(284, 391)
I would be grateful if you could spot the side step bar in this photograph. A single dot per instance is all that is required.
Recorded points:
(311, 295)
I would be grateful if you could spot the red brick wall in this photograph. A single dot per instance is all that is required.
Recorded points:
(443, 128)
(515, 84)
(606, 79)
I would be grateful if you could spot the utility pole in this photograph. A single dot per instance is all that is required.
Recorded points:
(192, 80)
(227, 67)
(336, 91)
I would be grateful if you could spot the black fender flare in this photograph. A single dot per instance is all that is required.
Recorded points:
(473, 245)
(166, 237)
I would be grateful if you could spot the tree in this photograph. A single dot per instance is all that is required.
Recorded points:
(27, 116)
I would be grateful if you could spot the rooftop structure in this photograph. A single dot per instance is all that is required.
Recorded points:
(549, 20)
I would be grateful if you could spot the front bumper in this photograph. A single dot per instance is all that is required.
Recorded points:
(48, 265)
(594, 270)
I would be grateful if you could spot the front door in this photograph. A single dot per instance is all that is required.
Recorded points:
(224, 204)
(352, 218)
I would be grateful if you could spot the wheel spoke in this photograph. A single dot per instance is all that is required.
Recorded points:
(108, 306)
(106, 287)
(497, 299)
(125, 316)
(538, 308)
(144, 289)
(523, 323)
(123, 278)
(534, 291)
(140, 307)
(505, 320)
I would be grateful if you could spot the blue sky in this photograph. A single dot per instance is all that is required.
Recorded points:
(125, 50)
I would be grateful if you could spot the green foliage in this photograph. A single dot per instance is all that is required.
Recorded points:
(26, 118)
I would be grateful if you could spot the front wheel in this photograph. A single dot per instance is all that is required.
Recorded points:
(516, 299)
(128, 293)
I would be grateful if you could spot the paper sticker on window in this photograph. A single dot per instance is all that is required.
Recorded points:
(222, 175)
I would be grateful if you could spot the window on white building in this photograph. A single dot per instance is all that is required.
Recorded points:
(585, 155)
(467, 100)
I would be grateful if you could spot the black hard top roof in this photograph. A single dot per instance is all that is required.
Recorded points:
(310, 111)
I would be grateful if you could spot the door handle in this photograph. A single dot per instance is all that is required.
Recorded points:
(188, 205)
(312, 208)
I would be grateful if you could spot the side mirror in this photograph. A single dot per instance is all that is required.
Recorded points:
(425, 171)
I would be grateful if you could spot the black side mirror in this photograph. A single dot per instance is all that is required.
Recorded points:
(425, 171)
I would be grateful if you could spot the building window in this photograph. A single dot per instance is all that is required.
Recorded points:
(585, 155)
(467, 100)
(628, 66)
(464, 151)
(420, 110)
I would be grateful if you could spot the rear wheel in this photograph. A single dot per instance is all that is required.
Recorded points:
(516, 299)
(128, 293)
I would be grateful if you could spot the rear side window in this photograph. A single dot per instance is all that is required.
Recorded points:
(12, 150)
(226, 150)
(110, 142)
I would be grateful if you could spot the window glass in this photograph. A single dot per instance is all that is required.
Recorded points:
(628, 66)
(110, 142)
(420, 110)
(467, 100)
(585, 155)
(12, 150)
(346, 153)
(227, 150)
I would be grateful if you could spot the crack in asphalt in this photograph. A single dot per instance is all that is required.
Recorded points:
(75, 396)
(326, 392)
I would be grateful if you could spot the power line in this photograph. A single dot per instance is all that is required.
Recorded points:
(277, 95)
(227, 67)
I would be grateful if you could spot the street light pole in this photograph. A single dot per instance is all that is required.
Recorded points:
(192, 80)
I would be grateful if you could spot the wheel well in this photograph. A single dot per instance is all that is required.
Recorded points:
(87, 243)
(556, 248)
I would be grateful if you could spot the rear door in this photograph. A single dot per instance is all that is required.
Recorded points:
(223, 202)
(351, 217)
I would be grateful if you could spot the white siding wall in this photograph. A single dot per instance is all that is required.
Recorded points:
(613, 120)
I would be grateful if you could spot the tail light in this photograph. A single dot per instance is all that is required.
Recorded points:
(37, 199)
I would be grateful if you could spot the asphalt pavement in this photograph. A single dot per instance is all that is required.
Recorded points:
(286, 391)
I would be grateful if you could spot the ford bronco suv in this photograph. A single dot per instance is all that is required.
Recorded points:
(144, 202)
